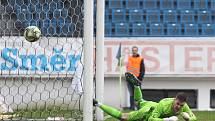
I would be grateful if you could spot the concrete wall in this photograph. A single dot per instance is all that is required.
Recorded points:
(202, 85)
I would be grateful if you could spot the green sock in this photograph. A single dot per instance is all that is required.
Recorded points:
(137, 93)
(111, 111)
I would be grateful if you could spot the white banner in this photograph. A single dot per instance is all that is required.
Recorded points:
(48, 56)
(165, 56)
(162, 56)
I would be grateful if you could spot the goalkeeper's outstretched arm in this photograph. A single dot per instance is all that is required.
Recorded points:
(187, 114)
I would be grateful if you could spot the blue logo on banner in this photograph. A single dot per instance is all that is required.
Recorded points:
(13, 60)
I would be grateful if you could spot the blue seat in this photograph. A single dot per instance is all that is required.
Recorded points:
(19, 2)
(201, 4)
(132, 4)
(212, 5)
(60, 22)
(39, 7)
(71, 29)
(21, 16)
(174, 29)
(150, 4)
(153, 16)
(138, 29)
(46, 22)
(36, 16)
(28, 15)
(135, 15)
(59, 5)
(17, 9)
(208, 29)
(108, 29)
(52, 6)
(33, 23)
(45, 7)
(191, 30)
(187, 16)
(184, 4)
(115, 4)
(107, 15)
(31, 8)
(170, 16)
(156, 30)
(64, 12)
(57, 13)
(167, 4)
(118, 15)
(121, 29)
(11, 2)
(204, 17)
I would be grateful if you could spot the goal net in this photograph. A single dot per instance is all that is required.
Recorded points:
(43, 79)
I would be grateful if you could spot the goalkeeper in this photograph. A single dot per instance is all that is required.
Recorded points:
(166, 110)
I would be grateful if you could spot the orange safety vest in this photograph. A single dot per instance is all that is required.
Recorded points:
(134, 64)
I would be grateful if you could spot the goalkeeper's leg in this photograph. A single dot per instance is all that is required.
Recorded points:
(138, 97)
(109, 110)
(131, 116)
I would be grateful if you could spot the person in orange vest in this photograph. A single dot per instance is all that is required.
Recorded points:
(135, 66)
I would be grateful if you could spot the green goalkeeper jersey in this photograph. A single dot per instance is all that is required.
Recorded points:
(164, 109)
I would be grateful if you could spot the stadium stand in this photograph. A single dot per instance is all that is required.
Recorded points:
(139, 17)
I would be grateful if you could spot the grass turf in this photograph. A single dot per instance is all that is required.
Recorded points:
(77, 115)
(201, 116)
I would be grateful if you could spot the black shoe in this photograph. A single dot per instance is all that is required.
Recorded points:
(132, 78)
(95, 102)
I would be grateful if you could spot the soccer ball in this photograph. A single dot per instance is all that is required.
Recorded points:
(32, 33)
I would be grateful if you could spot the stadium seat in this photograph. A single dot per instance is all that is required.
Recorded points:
(71, 29)
(115, 4)
(54, 24)
(45, 7)
(21, 16)
(38, 7)
(212, 5)
(135, 15)
(174, 29)
(11, 2)
(201, 4)
(156, 30)
(52, 6)
(60, 5)
(167, 4)
(19, 2)
(132, 4)
(121, 29)
(191, 30)
(204, 16)
(31, 8)
(118, 15)
(60, 22)
(108, 29)
(184, 4)
(107, 15)
(170, 16)
(208, 29)
(150, 4)
(187, 16)
(57, 13)
(17, 9)
(152, 16)
(138, 29)
(64, 12)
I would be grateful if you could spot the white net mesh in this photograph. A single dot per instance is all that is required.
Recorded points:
(43, 79)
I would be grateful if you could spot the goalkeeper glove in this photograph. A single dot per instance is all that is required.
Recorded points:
(185, 115)
(172, 118)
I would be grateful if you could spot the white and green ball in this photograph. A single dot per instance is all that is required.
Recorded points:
(32, 33)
